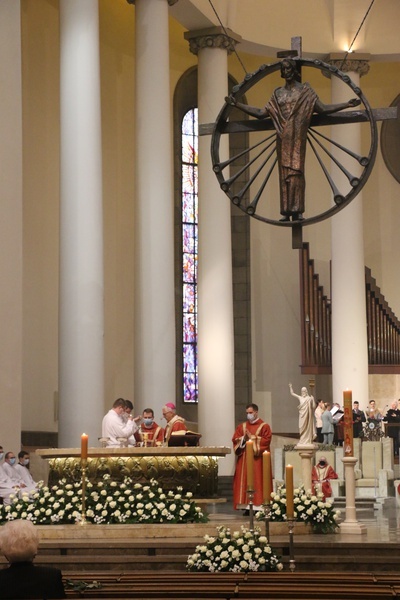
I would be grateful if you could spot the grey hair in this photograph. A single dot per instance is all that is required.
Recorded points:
(19, 540)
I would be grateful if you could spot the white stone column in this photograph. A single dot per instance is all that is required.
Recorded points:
(81, 318)
(215, 298)
(350, 524)
(349, 329)
(11, 225)
(154, 302)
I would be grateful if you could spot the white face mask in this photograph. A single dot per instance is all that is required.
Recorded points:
(251, 417)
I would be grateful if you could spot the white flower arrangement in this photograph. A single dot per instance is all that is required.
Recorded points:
(243, 550)
(308, 507)
(106, 502)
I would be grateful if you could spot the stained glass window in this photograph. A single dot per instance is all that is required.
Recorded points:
(189, 253)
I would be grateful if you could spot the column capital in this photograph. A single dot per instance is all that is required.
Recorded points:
(213, 37)
(170, 2)
(355, 63)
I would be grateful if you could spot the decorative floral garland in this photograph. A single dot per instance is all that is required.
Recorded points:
(106, 502)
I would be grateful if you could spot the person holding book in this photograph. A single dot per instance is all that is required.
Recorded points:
(259, 432)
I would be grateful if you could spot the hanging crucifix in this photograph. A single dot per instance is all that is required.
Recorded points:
(291, 117)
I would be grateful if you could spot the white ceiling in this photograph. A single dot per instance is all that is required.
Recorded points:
(325, 26)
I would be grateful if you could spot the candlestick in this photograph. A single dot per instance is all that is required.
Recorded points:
(250, 465)
(84, 445)
(348, 423)
(289, 492)
(267, 477)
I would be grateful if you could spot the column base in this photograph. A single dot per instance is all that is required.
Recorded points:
(352, 527)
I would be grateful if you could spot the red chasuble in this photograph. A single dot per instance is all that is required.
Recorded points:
(155, 433)
(320, 479)
(175, 424)
(260, 433)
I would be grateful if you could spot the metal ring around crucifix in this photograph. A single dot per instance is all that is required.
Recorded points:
(288, 138)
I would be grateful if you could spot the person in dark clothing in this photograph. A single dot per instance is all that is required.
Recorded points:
(358, 419)
(392, 418)
(19, 542)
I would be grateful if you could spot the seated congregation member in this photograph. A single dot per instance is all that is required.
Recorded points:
(7, 485)
(174, 421)
(320, 476)
(260, 433)
(13, 473)
(114, 425)
(19, 541)
(22, 467)
(150, 433)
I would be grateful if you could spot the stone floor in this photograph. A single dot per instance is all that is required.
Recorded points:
(381, 518)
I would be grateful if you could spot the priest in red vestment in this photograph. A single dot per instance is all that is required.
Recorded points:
(260, 433)
(151, 434)
(174, 422)
(320, 475)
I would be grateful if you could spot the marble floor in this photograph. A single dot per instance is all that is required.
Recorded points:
(381, 520)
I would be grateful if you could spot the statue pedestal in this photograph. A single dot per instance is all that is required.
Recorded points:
(350, 524)
(306, 452)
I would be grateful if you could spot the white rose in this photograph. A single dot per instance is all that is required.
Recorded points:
(247, 556)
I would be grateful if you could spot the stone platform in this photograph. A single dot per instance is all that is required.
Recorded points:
(195, 531)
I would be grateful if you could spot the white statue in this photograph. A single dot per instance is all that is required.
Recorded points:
(306, 416)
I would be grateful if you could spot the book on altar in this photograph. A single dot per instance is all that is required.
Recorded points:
(184, 438)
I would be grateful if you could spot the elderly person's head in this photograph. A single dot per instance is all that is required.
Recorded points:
(168, 411)
(19, 541)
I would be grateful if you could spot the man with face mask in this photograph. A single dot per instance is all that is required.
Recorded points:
(151, 434)
(23, 471)
(320, 476)
(7, 485)
(9, 468)
(260, 434)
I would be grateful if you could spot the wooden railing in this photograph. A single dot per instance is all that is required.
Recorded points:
(383, 327)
